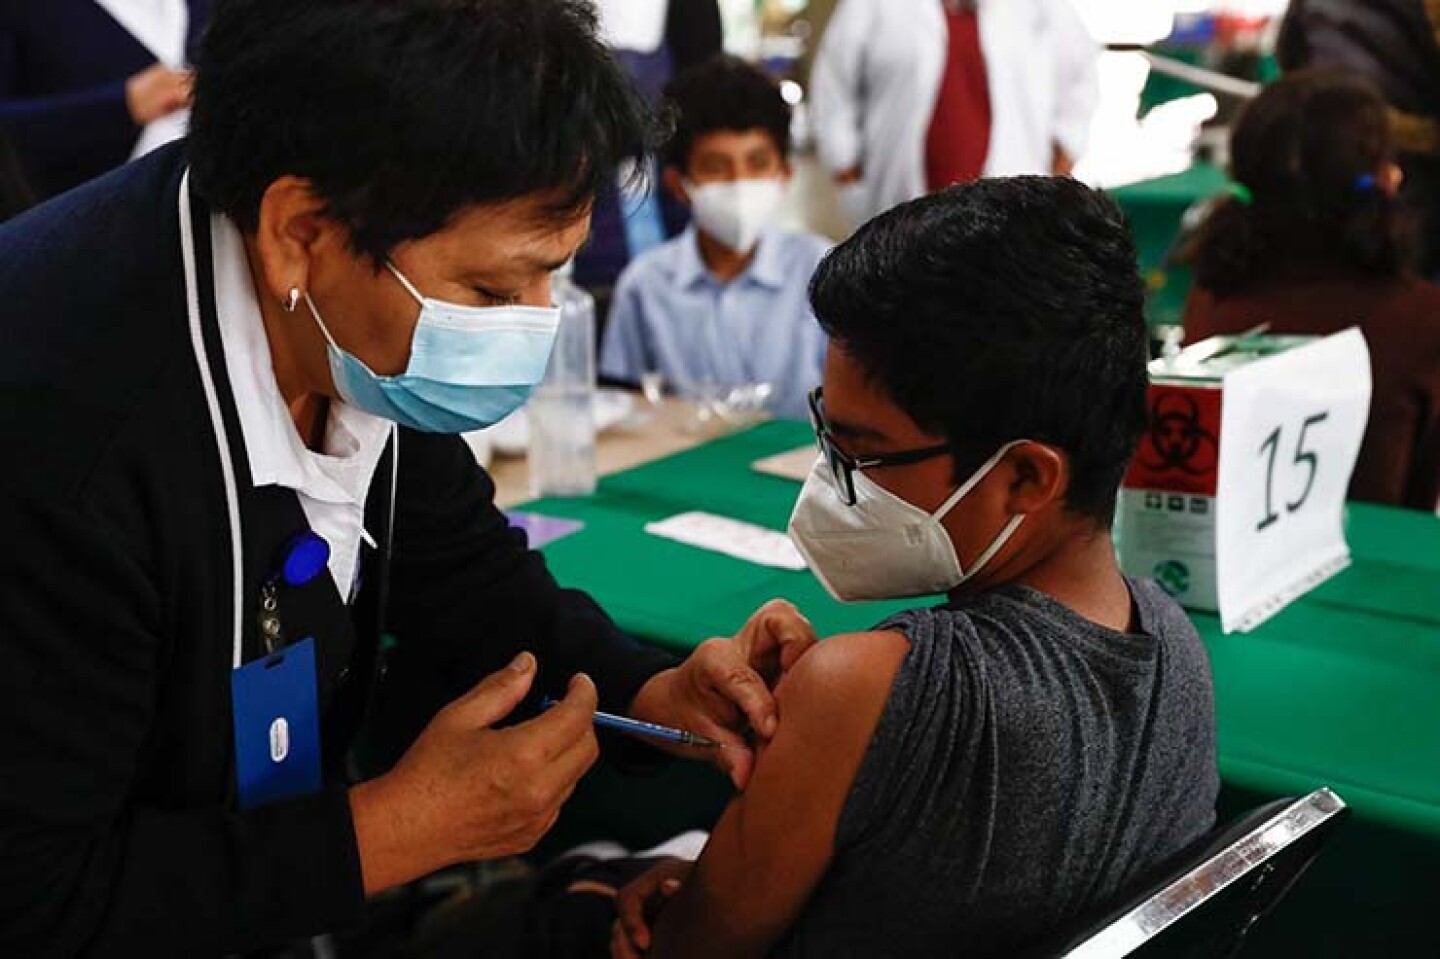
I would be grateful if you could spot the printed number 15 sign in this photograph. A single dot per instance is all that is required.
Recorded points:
(1290, 433)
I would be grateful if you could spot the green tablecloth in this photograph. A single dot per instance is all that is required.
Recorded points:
(1161, 88)
(1340, 689)
(1155, 208)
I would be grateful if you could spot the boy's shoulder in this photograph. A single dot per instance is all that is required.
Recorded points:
(998, 615)
(843, 673)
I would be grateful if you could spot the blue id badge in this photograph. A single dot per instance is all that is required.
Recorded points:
(277, 726)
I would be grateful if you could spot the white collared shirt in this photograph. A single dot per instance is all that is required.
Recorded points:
(159, 26)
(880, 67)
(674, 317)
(331, 485)
(637, 25)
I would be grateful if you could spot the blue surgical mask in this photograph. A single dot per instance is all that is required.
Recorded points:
(470, 367)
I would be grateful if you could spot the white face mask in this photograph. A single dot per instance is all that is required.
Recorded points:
(736, 213)
(883, 547)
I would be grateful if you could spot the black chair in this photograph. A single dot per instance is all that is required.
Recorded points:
(1205, 903)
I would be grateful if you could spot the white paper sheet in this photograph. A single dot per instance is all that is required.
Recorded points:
(1290, 434)
(720, 534)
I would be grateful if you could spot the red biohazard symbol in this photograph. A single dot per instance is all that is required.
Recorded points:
(1181, 451)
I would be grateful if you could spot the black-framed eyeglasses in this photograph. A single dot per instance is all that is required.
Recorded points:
(843, 466)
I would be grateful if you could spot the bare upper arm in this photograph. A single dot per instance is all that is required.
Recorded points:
(774, 841)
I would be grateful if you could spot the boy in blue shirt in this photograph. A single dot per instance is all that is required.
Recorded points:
(724, 304)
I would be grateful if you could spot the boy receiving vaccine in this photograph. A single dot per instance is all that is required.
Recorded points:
(967, 776)
(723, 304)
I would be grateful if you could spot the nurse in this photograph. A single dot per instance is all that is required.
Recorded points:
(230, 381)
(912, 96)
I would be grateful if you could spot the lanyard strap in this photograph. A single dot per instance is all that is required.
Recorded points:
(217, 418)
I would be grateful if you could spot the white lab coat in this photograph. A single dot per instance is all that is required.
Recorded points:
(878, 73)
(637, 25)
(160, 26)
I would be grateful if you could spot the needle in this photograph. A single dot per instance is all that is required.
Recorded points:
(635, 727)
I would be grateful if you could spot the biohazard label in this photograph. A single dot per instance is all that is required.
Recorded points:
(1181, 452)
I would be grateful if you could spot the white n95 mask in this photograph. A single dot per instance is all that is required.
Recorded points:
(738, 212)
(883, 547)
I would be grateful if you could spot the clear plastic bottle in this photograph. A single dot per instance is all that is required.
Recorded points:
(561, 410)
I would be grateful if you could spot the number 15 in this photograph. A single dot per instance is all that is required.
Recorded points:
(1302, 456)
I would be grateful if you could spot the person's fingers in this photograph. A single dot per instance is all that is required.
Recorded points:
(793, 632)
(738, 763)
(790, 653)
(186, 87)
(497, 695)
(641, 902)
(734, 757)
(636, 905)
(565, 768)
(775, 638)
(620, 945)
(742, 687)
(173, 88)
(568, 722)
(786, 621)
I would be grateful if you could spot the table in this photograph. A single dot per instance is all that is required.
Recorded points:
(616, 450)
(1341, 689)
(656, 432)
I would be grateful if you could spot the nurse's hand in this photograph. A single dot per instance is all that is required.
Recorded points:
(465, 792)
(723, 690)
(1061, 163)
(155, 92)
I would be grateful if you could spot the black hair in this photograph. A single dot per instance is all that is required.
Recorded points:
(1005, 309)
(1305, 153)
(404, 112)
(723, 94)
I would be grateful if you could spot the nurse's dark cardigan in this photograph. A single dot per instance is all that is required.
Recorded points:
(119, 833)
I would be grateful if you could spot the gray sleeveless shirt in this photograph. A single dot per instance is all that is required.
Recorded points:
(1028, 765)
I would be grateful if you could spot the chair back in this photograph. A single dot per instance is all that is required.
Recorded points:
(1203, 905)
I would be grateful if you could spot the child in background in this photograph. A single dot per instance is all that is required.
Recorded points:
(1313, 242)
(723, 304)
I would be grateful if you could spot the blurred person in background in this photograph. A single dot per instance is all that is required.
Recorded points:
(1314, 242)
(81, 80)
(654, 40)
(724, 304)
(1396, 45)
(911, 96)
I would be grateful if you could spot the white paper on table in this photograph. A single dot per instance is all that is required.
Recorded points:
(720, 534)
(795, 464)
(1291, 428)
